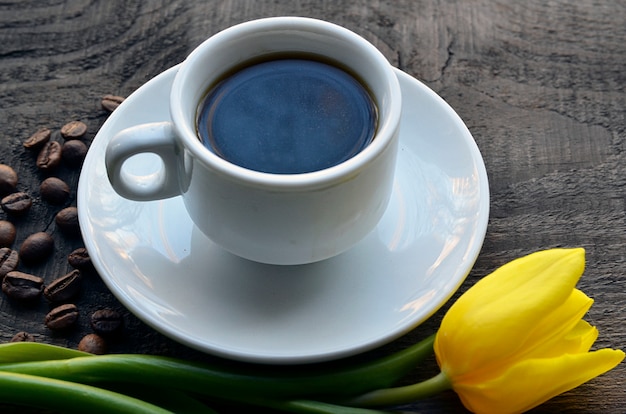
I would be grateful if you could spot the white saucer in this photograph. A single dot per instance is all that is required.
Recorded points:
(171, 276)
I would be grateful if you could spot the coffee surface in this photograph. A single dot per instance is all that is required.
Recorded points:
(287, 116)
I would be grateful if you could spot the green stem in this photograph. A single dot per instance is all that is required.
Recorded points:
(300, 406)
(317, 407)
(231, 380)
(67, 397)
(402, 395)
(164, 397)
(12, 352)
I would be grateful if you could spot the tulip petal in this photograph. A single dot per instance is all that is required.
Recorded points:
(581, 337)
(532, 382)
(578, 340)
(494, 318)
(557, 329)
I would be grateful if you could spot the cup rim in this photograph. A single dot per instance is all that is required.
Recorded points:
(387, 127)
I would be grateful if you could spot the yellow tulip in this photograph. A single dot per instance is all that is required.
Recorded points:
(516, 338)
(512, 341)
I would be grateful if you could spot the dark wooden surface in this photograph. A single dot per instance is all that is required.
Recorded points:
(539, 83)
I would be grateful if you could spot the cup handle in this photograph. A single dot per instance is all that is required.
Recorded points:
(156, 138)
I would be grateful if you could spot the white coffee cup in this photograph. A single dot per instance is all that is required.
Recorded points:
(270, 218)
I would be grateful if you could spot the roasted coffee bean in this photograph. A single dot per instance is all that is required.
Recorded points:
(16, 203)
(64, 287)
(74, 152)
(79, 259)
(62, 317)
(111, 102)
(67, 220)
(73, 130)
(93, 343)
(50, 156)
(54, 190)
(8, 261)
(22, 286)
(36, 247)
(7, 233)
(106, 321)
(23, 337)
(38, 139)
(8, 179)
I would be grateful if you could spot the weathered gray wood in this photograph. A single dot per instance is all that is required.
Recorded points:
(539, 83)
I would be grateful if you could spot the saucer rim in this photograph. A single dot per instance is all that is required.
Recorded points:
(455, 282)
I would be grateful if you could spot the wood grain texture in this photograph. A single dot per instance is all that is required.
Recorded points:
(539, 83)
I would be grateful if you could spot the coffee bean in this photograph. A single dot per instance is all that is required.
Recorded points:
(93, 343)
(80, 259)
(73, 130)
(16, 203)
(64, 287)
(23, 337)
(22, 286)
(38, 139)
(67, 221)
(7, 233)
(106, 321)
(111, 102)
(74, 152)
(36, 247)
(8, 179)
(54, 190)
(50, 156)
(8, 261)
(62, 317)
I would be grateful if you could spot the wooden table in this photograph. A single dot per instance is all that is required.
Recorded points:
(539, 83)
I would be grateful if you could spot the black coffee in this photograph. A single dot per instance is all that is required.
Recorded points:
(287, 116)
